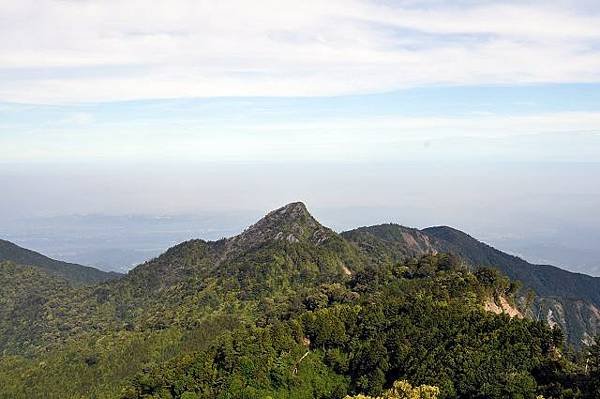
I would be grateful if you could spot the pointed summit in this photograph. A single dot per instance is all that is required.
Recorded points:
(292, 207)
(291, 222)
(289, 238)
(293, 213)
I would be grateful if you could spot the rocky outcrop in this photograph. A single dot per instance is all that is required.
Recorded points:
(502, 305)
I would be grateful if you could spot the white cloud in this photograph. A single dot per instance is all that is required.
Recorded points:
(104, 50)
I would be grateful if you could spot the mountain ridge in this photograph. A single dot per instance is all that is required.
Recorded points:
(556, 289)
(76, 274)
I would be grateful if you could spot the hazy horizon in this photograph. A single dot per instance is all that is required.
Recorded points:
(468, 114)
(544, 212)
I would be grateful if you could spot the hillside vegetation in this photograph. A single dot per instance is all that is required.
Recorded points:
(287, 309)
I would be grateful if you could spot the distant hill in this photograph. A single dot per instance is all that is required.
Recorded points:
(569, 299)
(76, 274)
(546, 280)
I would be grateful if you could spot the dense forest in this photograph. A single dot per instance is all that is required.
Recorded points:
(287, 309)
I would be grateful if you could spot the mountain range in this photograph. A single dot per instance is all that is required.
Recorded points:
(290, 308)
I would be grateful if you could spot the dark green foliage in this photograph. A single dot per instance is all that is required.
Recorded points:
(25, 295)
(429, 329)
(593, 369)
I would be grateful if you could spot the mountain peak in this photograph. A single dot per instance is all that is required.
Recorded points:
(298, 206)
(292, 212)
(291, 222)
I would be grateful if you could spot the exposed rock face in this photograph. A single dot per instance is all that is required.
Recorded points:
(553, 319)
(502, 306)
(579, 318)
(346, 271)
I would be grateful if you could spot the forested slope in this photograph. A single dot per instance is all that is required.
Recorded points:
(287, 309)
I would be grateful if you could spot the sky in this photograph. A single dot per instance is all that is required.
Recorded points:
(480, 114)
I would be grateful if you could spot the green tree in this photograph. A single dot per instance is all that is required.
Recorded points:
(593, 368)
